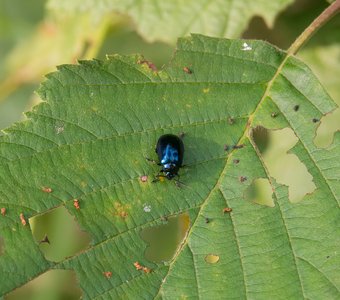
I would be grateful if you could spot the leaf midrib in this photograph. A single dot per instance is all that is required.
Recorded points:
(222, 174)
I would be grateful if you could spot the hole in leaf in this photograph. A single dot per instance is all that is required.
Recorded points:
(260, 192)
(54, 284)
(2, 246)
(212, 258)
(58, 234)
(285, 167)
(164, 239)
(328, 126)
(261, 138)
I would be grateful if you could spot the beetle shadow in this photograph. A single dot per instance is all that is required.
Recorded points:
(201, 159)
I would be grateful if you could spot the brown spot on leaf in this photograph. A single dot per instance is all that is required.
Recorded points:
(47, 190)
(107, 274)
(121, 210)
(227, 210)
(243, 178)
(123, 214)
(139, 267)
(148, 63)
(146, 270)
(187, 70)
(22, 219)
(3, 211)
(76, 203)
(144, 178)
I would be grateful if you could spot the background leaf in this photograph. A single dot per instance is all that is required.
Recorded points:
(89, 139)
(222, 18)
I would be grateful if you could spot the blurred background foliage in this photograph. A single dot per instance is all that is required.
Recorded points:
(35, 39)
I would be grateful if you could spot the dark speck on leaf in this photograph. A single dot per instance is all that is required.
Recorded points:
(315, 120)
(231, 120)
(296, 107)
(243, 178)
(226, 147)
(240, 146)
(149, 64)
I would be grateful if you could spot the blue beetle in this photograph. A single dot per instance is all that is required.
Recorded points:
(170, 152)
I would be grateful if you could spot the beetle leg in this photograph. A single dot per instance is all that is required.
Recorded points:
(157, 177)
(153, 161)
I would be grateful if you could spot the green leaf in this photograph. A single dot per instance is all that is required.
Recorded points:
(320, 57)
(167, 20)
(89, 139)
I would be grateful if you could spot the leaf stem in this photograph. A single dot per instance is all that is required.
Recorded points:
(324, 17)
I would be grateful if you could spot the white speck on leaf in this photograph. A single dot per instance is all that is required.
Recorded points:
(59, 128)
(147, 208)
(246, 47)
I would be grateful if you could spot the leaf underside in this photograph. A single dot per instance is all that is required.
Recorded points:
(221, 18)
(89, 140)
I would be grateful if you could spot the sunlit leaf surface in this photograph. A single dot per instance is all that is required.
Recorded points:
(84, 148)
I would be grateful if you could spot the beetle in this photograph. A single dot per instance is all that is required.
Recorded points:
(170, 152)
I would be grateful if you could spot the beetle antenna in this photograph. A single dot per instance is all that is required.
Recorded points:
(179, 183)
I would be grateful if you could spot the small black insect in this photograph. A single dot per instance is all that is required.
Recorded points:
(170, 151)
